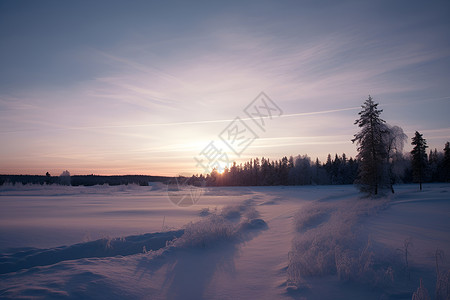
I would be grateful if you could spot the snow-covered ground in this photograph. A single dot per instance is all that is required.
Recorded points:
(131, 242)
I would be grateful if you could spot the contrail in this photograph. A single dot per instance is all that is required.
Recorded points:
(220, 121)
(227, 120)
(321, 112)
(185, 122)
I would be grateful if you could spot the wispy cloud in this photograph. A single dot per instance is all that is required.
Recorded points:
(156, 95)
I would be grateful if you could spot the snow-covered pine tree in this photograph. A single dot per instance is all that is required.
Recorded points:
(446, 162)
(372, 149)
(419, 157)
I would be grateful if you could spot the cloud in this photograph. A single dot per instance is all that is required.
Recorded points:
(164, 93)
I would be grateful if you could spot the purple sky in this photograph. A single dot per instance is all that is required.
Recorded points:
(142, 87)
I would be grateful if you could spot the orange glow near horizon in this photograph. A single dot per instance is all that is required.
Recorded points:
(145, 98)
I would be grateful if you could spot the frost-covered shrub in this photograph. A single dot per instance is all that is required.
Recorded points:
(204, 212)
(207, 232)
(251, 213)
(219, 227)
(329, 242)
(365, 265)
(421, 293)
(250, 224)
(236, 211)
(311, 257)
(311, 216)
(442, 278)
(443, 285)
(232, 211)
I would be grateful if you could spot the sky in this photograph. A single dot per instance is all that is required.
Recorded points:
(148, 87)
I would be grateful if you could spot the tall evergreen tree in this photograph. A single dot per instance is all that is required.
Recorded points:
(433, 165)
(446, 162)
(329, 168)
(419, 157)
(371, 148)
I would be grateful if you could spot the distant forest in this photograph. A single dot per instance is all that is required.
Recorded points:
(301, 170)
(86, 180)
(380, 164)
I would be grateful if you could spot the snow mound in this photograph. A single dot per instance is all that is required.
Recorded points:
(254, 224)
(28, 258)
(221, 227)
(245, 209)
(157, 186)
(207, 232)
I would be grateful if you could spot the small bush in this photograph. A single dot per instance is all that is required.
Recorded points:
(310, 217)
(329, 243)
(216, 228)
(421, 293)
(204, 212)
(232, 211)
(442, 278)
(251, 213)
(207, 232)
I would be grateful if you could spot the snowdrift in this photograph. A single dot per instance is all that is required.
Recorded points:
(236, 243)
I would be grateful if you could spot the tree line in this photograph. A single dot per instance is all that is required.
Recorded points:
(337, 169)
(82, 180)
(299, 170)
(379, 164)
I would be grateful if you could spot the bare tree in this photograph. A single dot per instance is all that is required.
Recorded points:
(394, 139)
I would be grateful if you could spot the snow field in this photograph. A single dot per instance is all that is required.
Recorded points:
(237, 243)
